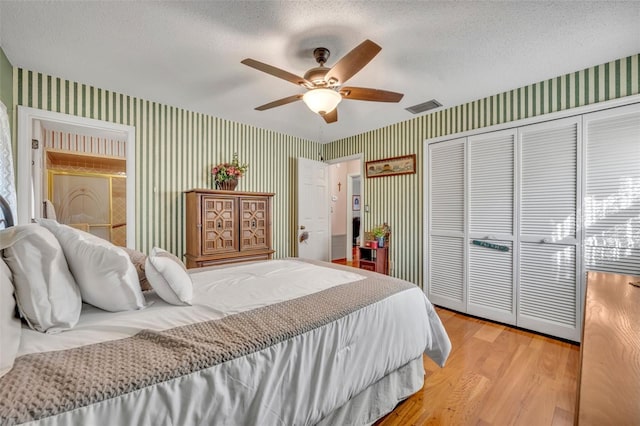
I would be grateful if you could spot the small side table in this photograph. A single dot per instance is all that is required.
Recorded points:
(374, 259)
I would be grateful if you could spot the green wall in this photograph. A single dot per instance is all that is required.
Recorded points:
(175, 150)
(6, 86)
(398, 200)
(176, 147)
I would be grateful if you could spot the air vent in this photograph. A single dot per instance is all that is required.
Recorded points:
(425, 106)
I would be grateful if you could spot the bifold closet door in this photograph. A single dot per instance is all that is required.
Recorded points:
(446, 224)
(548, 276)
(612, 190)
(490, 183)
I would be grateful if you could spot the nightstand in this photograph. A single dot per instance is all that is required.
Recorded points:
(374, 259)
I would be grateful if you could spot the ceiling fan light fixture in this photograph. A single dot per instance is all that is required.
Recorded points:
(322, 101)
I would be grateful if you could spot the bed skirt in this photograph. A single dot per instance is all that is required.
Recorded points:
(380, 398)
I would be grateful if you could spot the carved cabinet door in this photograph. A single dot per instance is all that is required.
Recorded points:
(219, 222)
(254, 223)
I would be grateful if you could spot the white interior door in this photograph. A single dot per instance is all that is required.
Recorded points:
(314, 226)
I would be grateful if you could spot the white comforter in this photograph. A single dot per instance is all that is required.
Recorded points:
(295, 382)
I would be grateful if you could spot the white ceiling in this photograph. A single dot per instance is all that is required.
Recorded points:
(188, 54)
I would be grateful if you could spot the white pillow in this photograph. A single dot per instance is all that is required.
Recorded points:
(10, 328)
(47, 295)
(104, 273)
(168, 277)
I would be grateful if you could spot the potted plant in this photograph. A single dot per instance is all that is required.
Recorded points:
(225, 175)
(378, 233)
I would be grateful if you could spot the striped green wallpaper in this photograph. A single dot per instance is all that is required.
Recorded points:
(398, 200)
(174, 151)
(175, 148)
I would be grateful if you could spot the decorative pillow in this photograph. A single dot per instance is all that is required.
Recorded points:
(169, 277)
(10, 328)
(139, 259)
(104, 273)
(47, 295)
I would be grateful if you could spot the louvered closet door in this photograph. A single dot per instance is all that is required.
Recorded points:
(490, 159)
(548, 268)
(612, 190)
(446, 216)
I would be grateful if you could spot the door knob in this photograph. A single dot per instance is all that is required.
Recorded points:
(302, 227)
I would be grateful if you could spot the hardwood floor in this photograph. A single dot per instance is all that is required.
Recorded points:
(495, 375)
(354, 262)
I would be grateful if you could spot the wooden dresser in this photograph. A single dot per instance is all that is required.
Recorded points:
(227, 227)
(609, 381)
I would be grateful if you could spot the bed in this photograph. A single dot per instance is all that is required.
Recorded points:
(278, 342)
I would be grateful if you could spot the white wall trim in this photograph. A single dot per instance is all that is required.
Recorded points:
(26, 116)
(350, 179)
(600, 106)
(358, 156)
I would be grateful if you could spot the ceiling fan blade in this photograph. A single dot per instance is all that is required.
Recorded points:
(366, 94)
(279, 102)
(353, 62)
(331, 116)
(276, 72)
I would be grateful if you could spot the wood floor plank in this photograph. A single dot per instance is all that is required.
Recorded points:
(489, 332)
(562, 417)
(495, 375)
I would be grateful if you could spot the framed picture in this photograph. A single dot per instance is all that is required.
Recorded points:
(403, 165)
(355, 203)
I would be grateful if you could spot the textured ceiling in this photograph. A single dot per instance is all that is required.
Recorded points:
(188, 54)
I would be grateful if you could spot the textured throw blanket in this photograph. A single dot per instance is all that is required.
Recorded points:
(50, 383)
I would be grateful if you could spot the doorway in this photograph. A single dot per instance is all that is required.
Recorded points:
(84, 168)
(346, 207)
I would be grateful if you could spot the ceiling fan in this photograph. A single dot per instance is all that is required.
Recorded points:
(324, 85)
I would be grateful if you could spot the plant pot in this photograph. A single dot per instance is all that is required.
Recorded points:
(227, 185)
(380, 241)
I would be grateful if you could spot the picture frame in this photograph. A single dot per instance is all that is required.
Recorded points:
(403, 165)
(355, 203)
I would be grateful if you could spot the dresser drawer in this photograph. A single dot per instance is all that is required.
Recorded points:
(369, 266)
